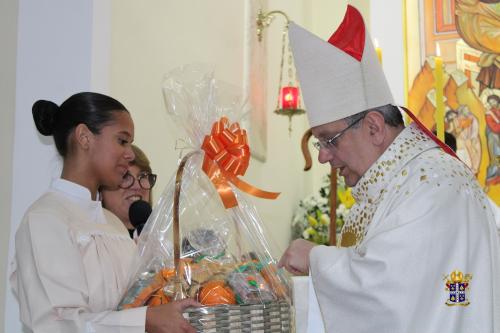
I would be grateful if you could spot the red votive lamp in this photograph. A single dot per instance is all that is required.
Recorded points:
(289, 98)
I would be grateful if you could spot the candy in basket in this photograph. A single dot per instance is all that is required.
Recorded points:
(204, 239)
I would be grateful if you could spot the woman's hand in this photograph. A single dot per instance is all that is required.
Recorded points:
(168, 318)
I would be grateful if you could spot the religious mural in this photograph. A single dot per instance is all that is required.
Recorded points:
(463, 35)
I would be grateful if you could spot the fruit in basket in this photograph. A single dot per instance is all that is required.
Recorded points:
(158, 298)
(216, 292)
(145, 290)
(145, 293)
(167, 273)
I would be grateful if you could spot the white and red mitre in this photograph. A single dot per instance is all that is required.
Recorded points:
(339, 77)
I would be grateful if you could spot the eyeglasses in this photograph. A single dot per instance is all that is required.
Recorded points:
(146, 180)
(332, 142)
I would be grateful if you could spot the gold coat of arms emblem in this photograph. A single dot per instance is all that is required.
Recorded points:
(457, 287)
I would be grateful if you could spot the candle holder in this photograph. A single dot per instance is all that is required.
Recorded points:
(288, 103)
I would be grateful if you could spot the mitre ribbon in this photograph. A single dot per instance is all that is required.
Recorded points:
(227, 156)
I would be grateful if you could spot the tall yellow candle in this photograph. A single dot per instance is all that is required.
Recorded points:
(439, 79)
(378, 50)
(379, 54)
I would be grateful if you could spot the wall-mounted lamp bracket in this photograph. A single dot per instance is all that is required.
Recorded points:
(288, 102)
(265, 19)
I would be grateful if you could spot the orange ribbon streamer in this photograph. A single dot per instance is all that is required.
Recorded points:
(227, 156)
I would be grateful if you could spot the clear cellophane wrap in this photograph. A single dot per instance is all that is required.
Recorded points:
(204, 239)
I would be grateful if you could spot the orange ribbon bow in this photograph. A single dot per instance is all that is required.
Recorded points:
(227, 156)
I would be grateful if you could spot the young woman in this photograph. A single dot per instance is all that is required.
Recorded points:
(72, 256)
(136, 185)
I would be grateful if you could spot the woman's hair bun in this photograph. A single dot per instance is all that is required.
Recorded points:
(44, 114)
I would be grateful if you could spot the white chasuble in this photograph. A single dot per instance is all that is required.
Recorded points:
(422, 255)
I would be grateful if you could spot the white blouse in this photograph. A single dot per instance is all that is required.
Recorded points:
(72, 265)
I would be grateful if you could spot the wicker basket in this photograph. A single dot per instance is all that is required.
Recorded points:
(269, 318)
(263, 317)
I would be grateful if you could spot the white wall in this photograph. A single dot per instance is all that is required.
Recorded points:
(8, 43)
(387, 28)
(54, 45)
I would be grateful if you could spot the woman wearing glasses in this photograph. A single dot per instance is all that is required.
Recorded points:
(73, 256)
(136, 185)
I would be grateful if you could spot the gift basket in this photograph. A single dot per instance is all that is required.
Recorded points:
(204, 239)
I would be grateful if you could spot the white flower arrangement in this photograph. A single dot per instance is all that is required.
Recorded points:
(311, 220)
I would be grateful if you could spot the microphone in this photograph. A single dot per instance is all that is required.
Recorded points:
(138, 214)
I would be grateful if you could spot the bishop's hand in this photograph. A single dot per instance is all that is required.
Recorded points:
(296, 257)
